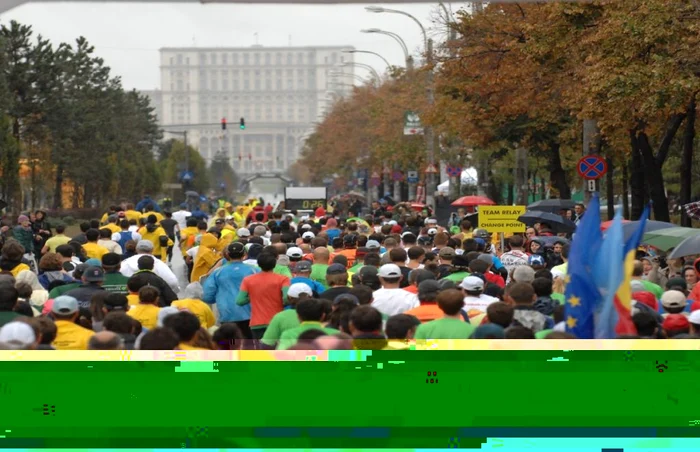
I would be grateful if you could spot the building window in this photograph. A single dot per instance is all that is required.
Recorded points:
(202, 59)
(246, 59)
(187, 61)
(301, 114)
(268, 84)
(325, 60)
(257, 59)
(311, 58)
(180, 85)
(257, 84)
(224, 84)
(334, 57)
(246, 85)
(279, 84)
(278, 58)
(268, 59)
(213, 58)
(290, 83)
(235, 59)
(300, 58)
(290, 114)
(172, 61)
(224, 58)
(202, 80)
(289, 58)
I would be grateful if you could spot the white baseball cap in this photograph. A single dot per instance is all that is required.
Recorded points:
(471, 283)
(17, 334)
(295, 252)
(308, 235)
(389, 271)
(296, 289)
(431, 221)
(373, 245)
(243, 232)
(694, 317)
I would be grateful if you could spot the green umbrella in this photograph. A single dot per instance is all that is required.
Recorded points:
(666, 239)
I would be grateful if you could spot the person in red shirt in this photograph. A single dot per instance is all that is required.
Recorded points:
(266, 292)
(483, 265)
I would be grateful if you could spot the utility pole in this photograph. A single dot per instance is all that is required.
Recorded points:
(429, 137)
(521, 184)
(591, 146)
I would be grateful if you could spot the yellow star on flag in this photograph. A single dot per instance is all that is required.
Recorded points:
(567, 279)
(574, 301)
(571, 322)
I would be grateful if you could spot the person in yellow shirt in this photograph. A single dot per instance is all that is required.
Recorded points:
(112, 225)
(105, 218)
(57, 240)
(206, 256)
(193, 303)
(220, 215)
(185, 325)
(69, 335)
(150, 211)
(238, 215)
(155, 233)
(133, 285)
(131, 213)
(189, 231)
(146, 312)
(92, 249)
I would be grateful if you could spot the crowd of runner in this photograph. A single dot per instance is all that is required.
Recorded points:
(264, 278)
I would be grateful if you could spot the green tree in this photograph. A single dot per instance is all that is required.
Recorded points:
(175, 164)
(221, 172)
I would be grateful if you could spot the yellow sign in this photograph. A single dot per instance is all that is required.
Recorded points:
(501, 218)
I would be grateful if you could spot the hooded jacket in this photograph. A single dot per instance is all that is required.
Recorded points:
(206, 256)
(695, 294)
(531, 318)
(156, 235)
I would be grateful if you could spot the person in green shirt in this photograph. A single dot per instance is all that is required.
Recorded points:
(77, 275)
(637, 274)
(318, 269)
(311, 315)
(114, 281)
(460, 266)
(452, 325)
(287, 319)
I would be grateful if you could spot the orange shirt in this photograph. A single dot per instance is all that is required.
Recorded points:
(265, 291)
(350, 254)
(426, 312)
(411, 289)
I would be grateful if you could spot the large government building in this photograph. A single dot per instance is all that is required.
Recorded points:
(280, 91)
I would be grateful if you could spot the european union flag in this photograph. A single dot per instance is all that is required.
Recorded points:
(608, 275)
(582, 294)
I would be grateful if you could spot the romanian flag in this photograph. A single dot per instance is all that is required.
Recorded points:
(623, 297)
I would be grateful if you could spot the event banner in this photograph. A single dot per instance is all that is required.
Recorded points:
(360, 400)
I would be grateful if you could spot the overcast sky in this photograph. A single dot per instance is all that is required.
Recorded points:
(128, 36)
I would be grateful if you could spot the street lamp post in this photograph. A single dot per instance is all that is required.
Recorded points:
(366, 66)
(357, 77)
(397, 38)
(430, 92)
(370, 53)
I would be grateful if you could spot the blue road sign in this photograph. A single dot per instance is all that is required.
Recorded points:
(186, 176)
(454, 171)
(592, 167)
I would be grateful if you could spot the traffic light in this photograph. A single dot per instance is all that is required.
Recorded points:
(242, 124)
(223, 123)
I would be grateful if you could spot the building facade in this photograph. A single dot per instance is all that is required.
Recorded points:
(280, 91)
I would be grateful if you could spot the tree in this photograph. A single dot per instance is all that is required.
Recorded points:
(221, 172)
(174, 165)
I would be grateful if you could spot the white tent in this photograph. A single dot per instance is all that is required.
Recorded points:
(469, 177)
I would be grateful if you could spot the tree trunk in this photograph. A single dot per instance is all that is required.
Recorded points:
(638, 187)
(625, 190)
(653, 164)
(687, 162)
(557, 175)
(58, 188)
(610, 188)
(521, 185)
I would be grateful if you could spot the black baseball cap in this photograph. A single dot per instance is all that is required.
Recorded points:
(116, 302)
(336, 269)
(94, 274)
(236, 250)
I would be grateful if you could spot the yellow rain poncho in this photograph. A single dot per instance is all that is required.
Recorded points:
(206, 256)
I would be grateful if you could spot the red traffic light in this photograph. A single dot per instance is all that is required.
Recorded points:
(223, 123)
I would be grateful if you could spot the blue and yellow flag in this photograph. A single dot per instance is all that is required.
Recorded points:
(582, 294)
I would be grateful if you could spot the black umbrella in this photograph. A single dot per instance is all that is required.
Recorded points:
(473, 218)
(557, 222)
(552, 205)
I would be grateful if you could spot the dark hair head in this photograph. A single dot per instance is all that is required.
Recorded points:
(521, 293)
(399, 326)
(105, 233)
(184, 324)
(519, 332)
(48, 329)
(8, 297)
(310, 310)
(646, 323)
(146, 262)
(118, 322)
(228, 337)
(149, 294)
(363, 293)
(159, 339)
(267, 261)
(398, 255)
(366, 319)
(542, 287)
(92, 235)
(450, 301)
(500, 313)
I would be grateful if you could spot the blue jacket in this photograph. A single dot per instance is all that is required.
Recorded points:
(146, 201)
(222, 287)
(316, 288)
